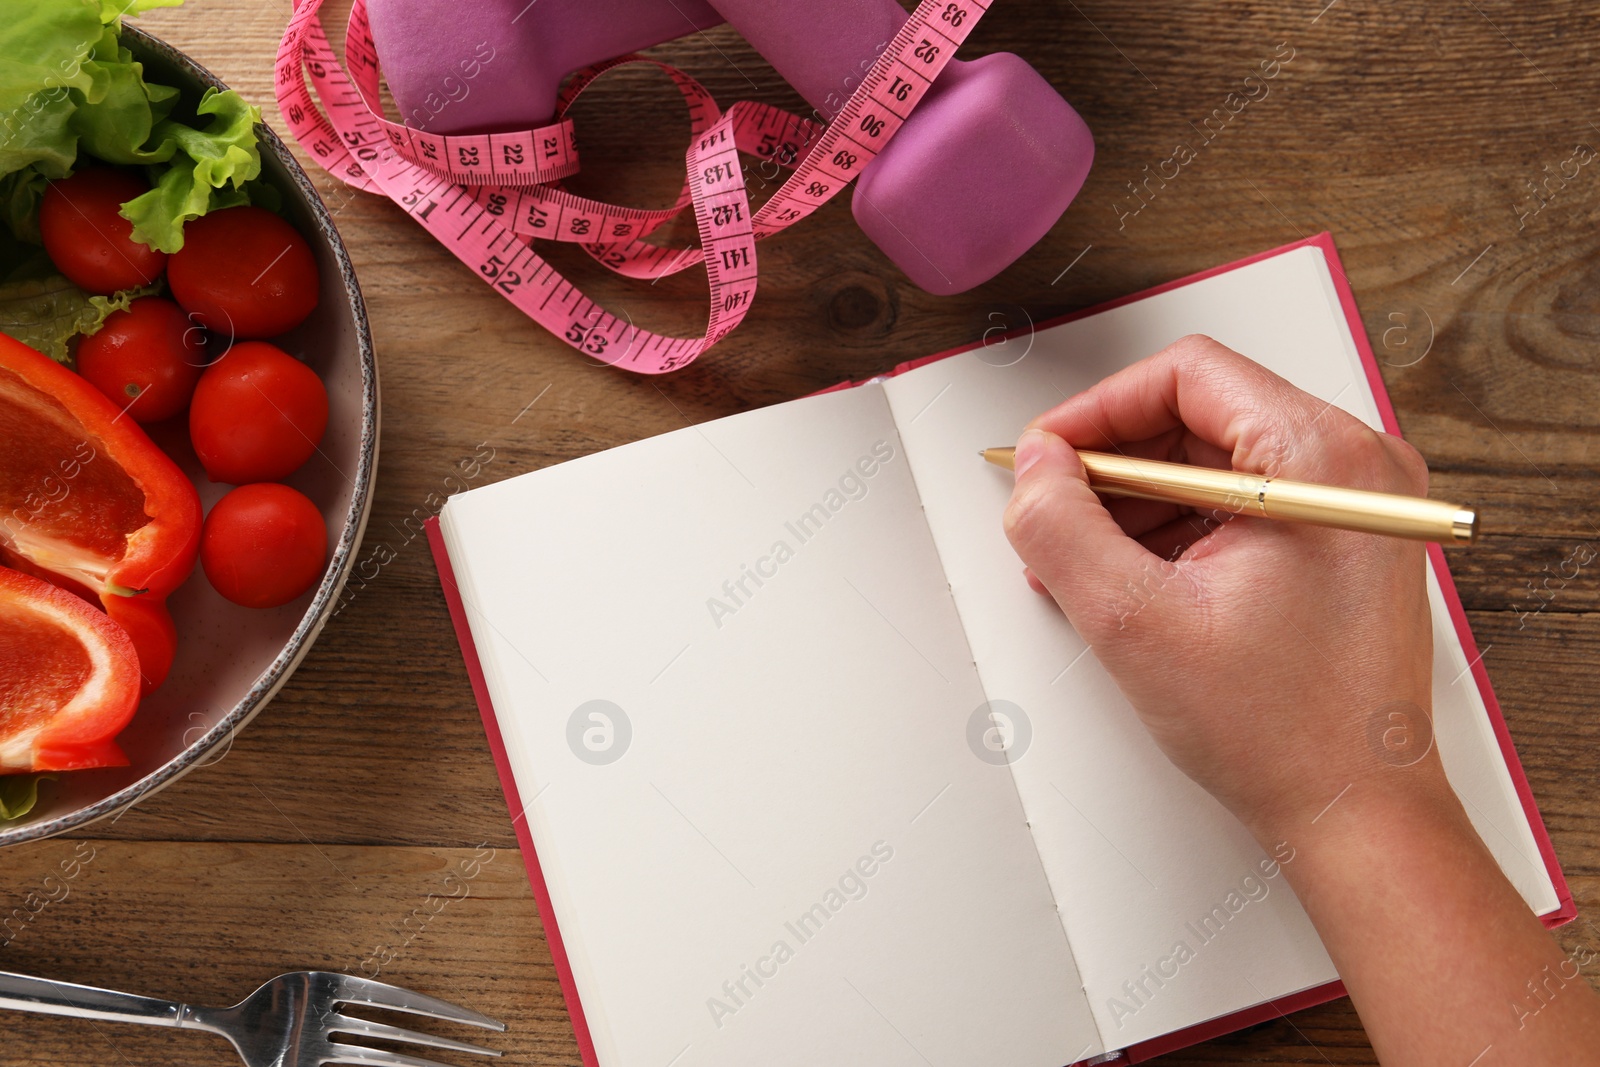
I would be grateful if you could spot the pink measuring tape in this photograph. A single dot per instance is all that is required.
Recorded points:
(486, 197)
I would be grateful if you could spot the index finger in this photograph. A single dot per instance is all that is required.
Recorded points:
(1241, 408)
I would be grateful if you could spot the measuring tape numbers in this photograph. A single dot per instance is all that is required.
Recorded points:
(488, 197)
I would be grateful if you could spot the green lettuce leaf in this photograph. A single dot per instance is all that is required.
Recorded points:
(20, 193)
(226, 150)
(67, 86)
(18, 794)
(208, 172)
(46, 48)
(46, 313)
(119, 111)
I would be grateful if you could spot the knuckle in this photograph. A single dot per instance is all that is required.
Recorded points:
(1198, 349)
(1333, 444)
(1263, 448)
(1025, 518)
(1412, 468)
(1364, 453)
(1377, 460)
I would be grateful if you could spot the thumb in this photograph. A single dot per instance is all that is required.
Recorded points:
(1066, 537)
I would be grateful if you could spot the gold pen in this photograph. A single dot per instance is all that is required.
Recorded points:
(1414, 517)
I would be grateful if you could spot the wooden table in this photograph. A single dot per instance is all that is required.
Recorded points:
(1409, 130)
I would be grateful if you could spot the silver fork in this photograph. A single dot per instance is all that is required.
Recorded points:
(289, 1022)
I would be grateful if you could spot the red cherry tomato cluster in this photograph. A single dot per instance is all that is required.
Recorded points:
(256, 414)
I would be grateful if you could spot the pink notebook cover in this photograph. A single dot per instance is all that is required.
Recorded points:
(1178, 1038)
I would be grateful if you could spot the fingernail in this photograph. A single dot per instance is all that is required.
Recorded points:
(1030, 446)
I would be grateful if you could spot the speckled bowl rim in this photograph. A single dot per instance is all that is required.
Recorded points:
(282, 666)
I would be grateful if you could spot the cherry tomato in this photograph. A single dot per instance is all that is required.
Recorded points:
(264, 544)
(146, 359)
(244, 272)
(88, 240)
(257, 414)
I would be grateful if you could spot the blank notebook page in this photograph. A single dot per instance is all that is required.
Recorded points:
(798, 859)
(1138, 856)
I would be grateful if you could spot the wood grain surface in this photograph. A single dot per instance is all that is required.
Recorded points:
(1410, 130)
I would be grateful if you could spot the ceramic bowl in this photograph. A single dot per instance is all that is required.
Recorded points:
(231, 660)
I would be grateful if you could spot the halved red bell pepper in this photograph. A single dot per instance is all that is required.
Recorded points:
(69, 677)
(90, 503)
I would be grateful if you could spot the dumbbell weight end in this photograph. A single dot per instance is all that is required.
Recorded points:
(1001, 155)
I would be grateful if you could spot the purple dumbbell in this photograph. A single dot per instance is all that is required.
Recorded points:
(979, 173)
(428, 48)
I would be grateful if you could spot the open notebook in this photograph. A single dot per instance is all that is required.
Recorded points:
(748, 684)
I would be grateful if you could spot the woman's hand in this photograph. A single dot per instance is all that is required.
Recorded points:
(1287, 668)
(1277, 664)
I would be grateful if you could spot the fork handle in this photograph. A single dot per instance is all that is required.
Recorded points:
(21, 992)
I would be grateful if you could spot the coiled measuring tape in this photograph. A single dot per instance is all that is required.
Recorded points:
(487, 197)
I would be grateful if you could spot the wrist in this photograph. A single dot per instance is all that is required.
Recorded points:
(1437, 949)
(1371, 816)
